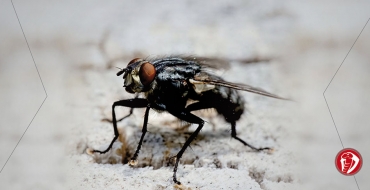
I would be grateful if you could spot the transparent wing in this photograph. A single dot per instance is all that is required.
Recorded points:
(223, 63)
(207, 78)
(213, 63)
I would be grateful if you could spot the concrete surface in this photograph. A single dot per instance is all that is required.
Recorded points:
(306, 41)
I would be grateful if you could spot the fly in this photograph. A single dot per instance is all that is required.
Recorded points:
(168, 84)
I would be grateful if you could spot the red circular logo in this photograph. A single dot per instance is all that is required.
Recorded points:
(348, 161)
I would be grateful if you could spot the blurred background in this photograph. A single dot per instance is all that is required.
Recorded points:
(73, 42)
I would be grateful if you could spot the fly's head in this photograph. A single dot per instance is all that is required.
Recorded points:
(138, 75)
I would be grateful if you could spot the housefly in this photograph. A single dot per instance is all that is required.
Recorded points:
(169, 84)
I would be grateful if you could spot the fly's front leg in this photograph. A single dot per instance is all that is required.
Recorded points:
(128, 115)
(186, 116)
(133, 160)
(132, 103)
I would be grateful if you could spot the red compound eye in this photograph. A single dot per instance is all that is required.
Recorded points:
(134, 61)
(147, 73)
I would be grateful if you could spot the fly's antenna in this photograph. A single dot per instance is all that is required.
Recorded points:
(121, 71)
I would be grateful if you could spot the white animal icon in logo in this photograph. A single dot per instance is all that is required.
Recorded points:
(349, 161)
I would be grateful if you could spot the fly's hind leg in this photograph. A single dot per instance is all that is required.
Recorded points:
(198, 106)
(233, 134)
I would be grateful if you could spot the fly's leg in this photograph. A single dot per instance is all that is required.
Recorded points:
(128, 115)
(188, 117)
(198, 106)
(201, 105)
(133, 160)
(132, 103)
(233, 134)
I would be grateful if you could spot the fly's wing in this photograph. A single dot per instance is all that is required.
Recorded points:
(223, 63)
(208, 79)
(213, 63)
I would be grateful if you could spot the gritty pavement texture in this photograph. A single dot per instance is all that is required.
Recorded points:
(77, 44)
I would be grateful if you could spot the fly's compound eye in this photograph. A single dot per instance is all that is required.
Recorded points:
(147, 73)
(134, 61)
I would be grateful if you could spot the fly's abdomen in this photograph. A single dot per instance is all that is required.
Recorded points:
(226, 101)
